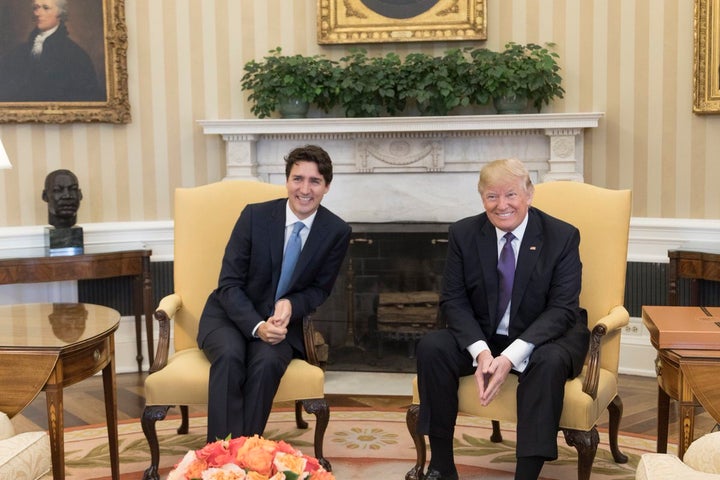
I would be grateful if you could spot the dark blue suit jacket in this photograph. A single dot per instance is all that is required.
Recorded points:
(251, 270)
(545, 297)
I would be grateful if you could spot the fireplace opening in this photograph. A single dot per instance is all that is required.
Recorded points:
(385, 297)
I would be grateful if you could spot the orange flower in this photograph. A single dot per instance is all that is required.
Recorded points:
(196, 468)
(256, 460)
(216, 454)
(258, 476)
(289, 462)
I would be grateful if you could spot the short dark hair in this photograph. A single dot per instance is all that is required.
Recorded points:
(310, 153)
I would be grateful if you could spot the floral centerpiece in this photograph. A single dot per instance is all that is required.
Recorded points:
(248, 458)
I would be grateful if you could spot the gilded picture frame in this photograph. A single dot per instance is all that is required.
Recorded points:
(382, 21)
(69, 92)
(706, 63)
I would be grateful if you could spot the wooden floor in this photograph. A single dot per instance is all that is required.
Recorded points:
(84, 405)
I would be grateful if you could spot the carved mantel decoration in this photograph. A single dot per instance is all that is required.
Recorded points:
(427, 165)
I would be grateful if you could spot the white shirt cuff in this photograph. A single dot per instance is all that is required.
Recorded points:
(518, 352)
(254, 332)
(476, 349)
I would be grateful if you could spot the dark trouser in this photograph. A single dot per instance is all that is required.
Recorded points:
(244, 377)
(540, 393)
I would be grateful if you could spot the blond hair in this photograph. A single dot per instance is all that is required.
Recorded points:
(503, 170)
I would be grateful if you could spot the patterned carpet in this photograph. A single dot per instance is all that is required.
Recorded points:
(360, 444)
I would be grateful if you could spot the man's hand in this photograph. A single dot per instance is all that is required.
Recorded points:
(271, 333)
(490, 374)
(274, 329)
(282, 313)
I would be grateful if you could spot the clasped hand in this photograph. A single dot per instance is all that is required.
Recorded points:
(274, 329)
(490, 374)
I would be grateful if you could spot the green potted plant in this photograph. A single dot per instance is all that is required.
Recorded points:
(371, 86)
(280, 81)
(519, 74)
(437, 84)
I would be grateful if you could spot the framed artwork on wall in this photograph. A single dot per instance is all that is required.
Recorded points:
(381, 21)
(706, 63)
(63, 61)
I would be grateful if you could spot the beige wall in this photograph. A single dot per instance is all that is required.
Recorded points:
(631, 59)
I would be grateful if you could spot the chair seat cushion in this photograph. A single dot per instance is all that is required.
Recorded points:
(25, 456)
(703, 454)
(664, 466)
(580, 412)
(184, 381)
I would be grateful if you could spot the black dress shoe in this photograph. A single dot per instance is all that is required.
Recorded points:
(433, 474)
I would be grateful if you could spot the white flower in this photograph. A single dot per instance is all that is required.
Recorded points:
(229, 471)
(178, 472)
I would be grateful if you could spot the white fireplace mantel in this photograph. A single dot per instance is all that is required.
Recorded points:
(424, 168)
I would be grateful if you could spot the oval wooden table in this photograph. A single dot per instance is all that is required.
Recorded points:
(48, 346)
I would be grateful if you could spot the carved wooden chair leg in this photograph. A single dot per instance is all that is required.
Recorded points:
(586, 444)
(150, 416)
(299, 421)
(411, 419)
(185, 420)
(496, 436)
(615, 409)
(320, 408)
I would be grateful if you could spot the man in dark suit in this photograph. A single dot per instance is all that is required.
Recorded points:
(539, 331)
(249, 329)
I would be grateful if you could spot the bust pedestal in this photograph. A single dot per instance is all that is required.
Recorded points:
(64, 241)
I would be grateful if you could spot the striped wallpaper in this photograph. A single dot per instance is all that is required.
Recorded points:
(631, 59)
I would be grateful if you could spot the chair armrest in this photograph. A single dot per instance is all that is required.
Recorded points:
(615, 320)
(309, 339)
(164, 314)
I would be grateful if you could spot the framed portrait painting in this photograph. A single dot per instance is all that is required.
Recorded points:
(63, 61)
(706, 63)
(378, 21)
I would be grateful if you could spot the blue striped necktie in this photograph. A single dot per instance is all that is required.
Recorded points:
(290, 258)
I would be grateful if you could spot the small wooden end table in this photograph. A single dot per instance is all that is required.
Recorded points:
(687, 366)
(91, 266)
(46, 347)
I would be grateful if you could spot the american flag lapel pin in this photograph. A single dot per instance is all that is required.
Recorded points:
(533, 248)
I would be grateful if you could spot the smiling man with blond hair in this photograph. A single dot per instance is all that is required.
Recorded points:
(510, 298)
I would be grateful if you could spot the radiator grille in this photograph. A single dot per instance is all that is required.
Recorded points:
(117, 292)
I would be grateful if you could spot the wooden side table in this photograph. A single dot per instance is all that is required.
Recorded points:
(688, 361)
(90, 266)
(47, 347)
(696, 262)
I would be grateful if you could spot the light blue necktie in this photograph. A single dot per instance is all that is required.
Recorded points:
(506, 274)
(290, 258)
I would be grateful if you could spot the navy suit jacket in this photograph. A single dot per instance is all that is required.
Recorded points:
(251, 267)
(545, 297)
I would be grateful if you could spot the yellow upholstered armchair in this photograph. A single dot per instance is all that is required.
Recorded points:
(603, 218)
(204, 218)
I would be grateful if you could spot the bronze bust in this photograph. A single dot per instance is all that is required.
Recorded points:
(63, 196)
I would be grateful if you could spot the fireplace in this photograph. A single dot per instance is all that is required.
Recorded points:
(400, 181)
(389, 266)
